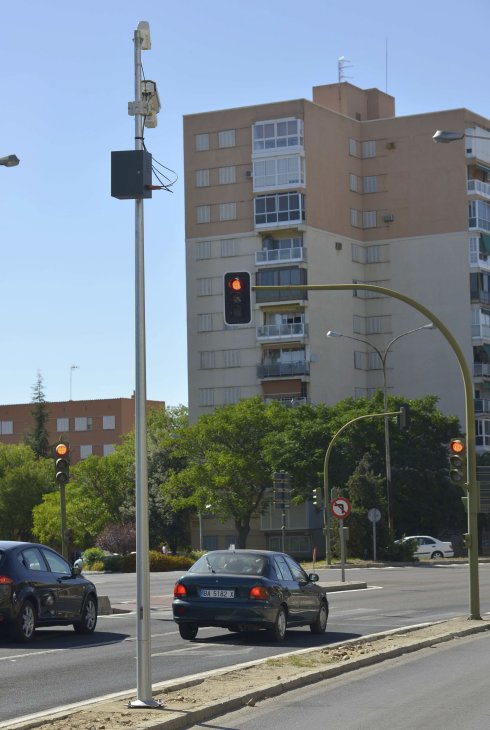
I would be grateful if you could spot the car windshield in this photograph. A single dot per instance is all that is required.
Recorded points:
(230, 563)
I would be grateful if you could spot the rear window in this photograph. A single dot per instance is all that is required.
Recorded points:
(230, 562)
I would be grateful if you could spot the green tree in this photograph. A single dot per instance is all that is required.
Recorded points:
(38, 437)
(24, 479)
(227, 462)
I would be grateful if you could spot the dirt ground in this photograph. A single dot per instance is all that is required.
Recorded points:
(248, 685)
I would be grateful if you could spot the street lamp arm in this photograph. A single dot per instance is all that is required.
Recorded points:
(404, 334)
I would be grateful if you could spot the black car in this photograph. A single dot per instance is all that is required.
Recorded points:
(246, 590)
(39, 588)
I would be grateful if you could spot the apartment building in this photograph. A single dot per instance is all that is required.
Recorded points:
(90, 426)
(337, 190)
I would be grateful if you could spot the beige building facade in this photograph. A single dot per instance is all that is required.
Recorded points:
(337, 190)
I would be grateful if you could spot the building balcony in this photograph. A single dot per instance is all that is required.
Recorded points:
(482, 405)
(282, 331)
(290, 400)
(478, 187)
(283, 369)
(480, 296)
(481, 370)
(480, 331)
(280, 255)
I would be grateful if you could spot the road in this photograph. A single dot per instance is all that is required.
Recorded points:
(442, 687)
(106, 662)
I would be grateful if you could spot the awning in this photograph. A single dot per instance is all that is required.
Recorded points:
(485, 243)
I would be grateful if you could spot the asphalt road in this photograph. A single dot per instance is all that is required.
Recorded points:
(60, 667)
(445, 686)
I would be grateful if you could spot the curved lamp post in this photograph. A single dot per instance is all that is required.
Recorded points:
(444, 136)
(383, 354)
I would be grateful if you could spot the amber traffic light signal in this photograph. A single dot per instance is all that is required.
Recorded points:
(62, 462)
(457, 461)
(238, 308)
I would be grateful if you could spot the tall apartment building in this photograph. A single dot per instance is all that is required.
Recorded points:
(90, 426)
(330, 191)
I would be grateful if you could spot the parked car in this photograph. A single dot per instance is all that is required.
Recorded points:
(430, 547)
(247, 590)
(39, 588)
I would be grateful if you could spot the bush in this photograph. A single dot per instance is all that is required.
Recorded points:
(118, 538)
(92, 555)
(159, 563)
(97, 565)
(398, 551)
(113, 563)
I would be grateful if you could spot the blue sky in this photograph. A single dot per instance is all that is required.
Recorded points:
(66, 75)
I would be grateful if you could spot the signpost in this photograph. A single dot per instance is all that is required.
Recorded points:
(340, 508)
(374, 515)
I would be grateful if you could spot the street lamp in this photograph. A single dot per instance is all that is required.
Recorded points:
(444, 136)
(383, 354)
(9, 161)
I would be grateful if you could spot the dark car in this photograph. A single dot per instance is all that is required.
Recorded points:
(39, 588)
(246, 590)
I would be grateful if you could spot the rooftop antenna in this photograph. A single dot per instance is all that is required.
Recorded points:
(342, 64)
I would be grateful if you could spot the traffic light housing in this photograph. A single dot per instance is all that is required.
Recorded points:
(62, 462)
(238, 308)
(403, 418)
(316, 497)
(457, 461)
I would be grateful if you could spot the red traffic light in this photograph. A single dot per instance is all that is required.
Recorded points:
(237, 299)
(457, 446)
(236, 284)
(61, 449)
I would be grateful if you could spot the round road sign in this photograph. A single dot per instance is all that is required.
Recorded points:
(340, 507)
(374, 515)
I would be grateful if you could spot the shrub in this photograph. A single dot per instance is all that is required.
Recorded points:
(97, 565)
(159, 563)
(118, 538)
(398, 551)
(92, 555)
(113, 563)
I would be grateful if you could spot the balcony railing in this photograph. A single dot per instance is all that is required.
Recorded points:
(481, 370)
(479, 295)
(482, 405)
(478, 187)
(282, 255)
(283, 369)
(288, 400)
(281, 331)
(480, 331)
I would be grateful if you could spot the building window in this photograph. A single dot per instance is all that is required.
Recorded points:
(204, 322)
(230, 247)
(479, 215)
(62, 425)
(202, 142)
(353, 147)
(278, 172)
(6, 428)
(203, 250)
(280, 208)
(369, 219)
(227, 175)
(227, 211)
(231, 358)
(367, 361)
(363, 294)
(84, 423)
(108, 449)
(85, 450)
(108, 423)
(355, 216)
(370, 184)
(203, 214)
(206, 396)
(278, 134)
(232, 395)
(226, 138)
(368, 148)
(204, 287)
(202, 178)
(287, 276)
(353, 183)
(207, 360)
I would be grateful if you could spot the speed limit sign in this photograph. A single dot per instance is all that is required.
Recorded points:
(340, 507)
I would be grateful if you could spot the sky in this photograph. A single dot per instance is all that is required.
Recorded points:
(66, 77)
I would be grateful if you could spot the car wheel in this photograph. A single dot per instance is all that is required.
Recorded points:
(88, 621)
(437, 554)
(188, 631)
(25, 623)
(319, 625)
(277, 632)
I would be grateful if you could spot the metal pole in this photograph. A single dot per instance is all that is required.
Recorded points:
(472, 486)
(64, 547)
(143, 659)
(283, 529)
(342, 548)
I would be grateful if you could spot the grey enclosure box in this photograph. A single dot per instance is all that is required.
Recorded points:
(131, 174)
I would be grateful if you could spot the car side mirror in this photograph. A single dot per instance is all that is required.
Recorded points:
(313, 577)
(76, 570)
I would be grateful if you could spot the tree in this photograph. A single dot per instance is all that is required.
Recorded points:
(38, 437)
(227, 464)
(118, 538)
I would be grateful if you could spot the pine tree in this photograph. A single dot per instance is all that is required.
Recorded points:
(38, 437)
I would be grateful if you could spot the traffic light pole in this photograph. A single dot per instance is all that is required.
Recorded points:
(472, 489)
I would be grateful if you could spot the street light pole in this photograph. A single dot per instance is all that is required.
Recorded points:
(383, 354)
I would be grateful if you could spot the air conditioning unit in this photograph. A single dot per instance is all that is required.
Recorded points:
(249, 173)
(338, 245)
(389, 218)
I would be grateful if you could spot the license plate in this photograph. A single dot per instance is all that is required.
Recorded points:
(216, 593)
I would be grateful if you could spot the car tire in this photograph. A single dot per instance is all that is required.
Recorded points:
(319, 625)
(25, 624)
(277, 631)
(88, 622)
(188, 631)
(437, 554)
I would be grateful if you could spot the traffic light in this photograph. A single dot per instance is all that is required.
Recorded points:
(457, 461)
(238, 309)
(62, 462)
(403, 418)
(316, 497)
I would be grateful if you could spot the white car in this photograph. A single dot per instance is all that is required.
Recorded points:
(429, 547)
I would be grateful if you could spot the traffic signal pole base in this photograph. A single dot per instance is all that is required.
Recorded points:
(145, 704)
